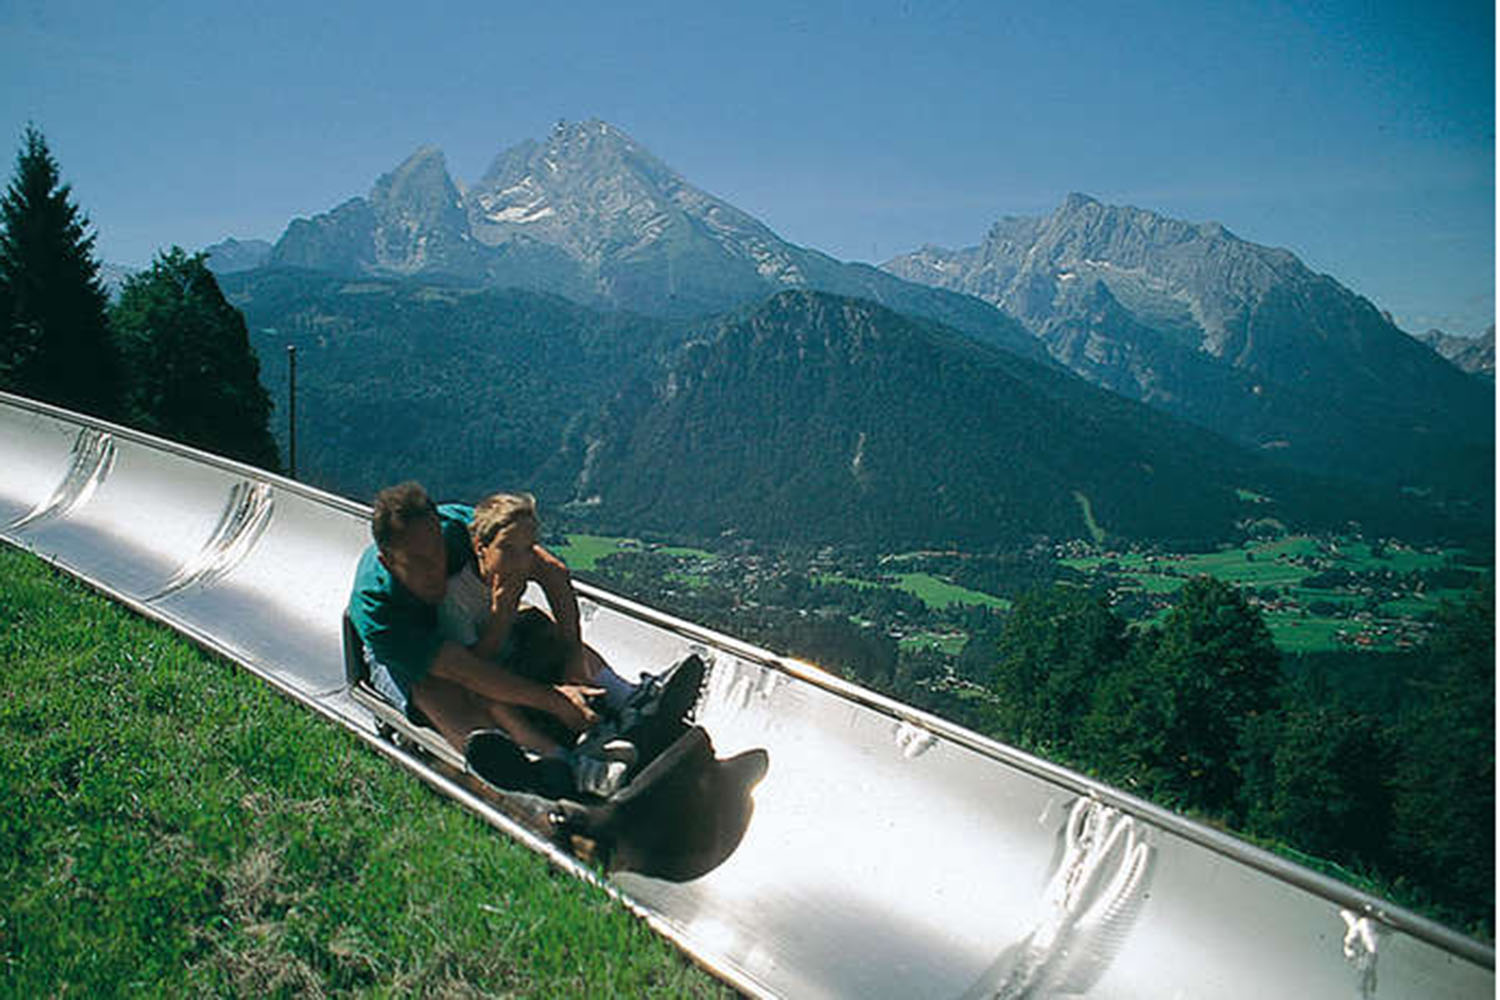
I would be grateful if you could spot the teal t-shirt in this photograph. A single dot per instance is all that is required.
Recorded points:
(398, 628)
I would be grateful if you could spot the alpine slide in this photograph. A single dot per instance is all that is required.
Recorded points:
(889, 853)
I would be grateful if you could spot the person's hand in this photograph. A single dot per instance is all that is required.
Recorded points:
(546, 568)
(505, 592)
(573, 707)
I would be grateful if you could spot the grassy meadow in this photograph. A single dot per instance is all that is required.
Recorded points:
(582, 552)
(173, 827)
(1301, 618)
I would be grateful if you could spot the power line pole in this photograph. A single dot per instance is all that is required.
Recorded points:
(291, 410)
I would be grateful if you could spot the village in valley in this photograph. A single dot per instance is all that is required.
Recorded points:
(1316, 593)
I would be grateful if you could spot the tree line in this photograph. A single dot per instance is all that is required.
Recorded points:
(171, 356)
(1196, 713)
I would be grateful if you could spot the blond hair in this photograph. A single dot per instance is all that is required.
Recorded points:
(499, 511)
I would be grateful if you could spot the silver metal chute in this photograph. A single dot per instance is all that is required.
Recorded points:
(35, 462)
(890, 854)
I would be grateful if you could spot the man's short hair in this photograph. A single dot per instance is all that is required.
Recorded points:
(499, 511)
(397, 508)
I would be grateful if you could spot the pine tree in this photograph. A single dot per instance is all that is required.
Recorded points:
(55, 342)
(192, 373)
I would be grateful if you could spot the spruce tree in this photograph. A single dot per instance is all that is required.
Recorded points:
(55, 342)
(192, 373)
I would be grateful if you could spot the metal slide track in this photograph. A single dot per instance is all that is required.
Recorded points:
(890, 854)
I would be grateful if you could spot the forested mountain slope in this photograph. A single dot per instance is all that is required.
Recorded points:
(808, 417)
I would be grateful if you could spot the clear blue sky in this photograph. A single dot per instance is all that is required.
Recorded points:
(1359, 135)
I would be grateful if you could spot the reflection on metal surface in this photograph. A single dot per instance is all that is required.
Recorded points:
(1089, 906)
(913, 741)
(245, 516)
(1360, 940)
(92, 458)
(890, 853)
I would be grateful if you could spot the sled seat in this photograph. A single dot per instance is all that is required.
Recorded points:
(393, 724)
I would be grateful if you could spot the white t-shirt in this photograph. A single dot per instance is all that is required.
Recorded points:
(466, 607)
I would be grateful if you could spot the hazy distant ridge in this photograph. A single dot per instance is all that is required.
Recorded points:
(231, 255)
(1475, 355)
(1241, 339)
(807, 417)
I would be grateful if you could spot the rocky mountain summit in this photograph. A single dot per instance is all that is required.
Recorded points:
(1475, 355)
(1237, 338)
(593, 216)
(1240, 338)
(231, 255)
(413, 221)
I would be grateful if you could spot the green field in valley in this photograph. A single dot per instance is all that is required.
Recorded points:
(930, 590)
(1381, 610)
(582, 552)
(174, 827)
(1301, 618)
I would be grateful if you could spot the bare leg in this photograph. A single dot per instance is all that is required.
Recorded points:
(514, 722)
(454, 710)
(457, 712)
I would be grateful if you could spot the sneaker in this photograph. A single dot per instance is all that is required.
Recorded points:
(600, 770)
(658, 715)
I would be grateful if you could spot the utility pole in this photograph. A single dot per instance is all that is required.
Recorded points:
(291, 410)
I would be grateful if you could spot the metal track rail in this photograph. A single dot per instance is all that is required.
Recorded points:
(891, 854)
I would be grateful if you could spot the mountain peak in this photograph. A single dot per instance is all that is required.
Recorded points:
(1077, 202)
(1242, 338)
(575, 148)
(424, 170)
(589, 213)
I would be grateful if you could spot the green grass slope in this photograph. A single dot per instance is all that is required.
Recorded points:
(174, 827)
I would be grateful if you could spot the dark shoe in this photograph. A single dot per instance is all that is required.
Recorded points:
(494, 758)
(656, 721)
(674, 693)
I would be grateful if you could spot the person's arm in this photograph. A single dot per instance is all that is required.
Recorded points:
(454, 662)
(557, 583)
(505, 598)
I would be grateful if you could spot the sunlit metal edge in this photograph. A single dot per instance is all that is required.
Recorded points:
(188, 451)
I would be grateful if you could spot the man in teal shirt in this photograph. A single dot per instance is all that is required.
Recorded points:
(401, 581)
